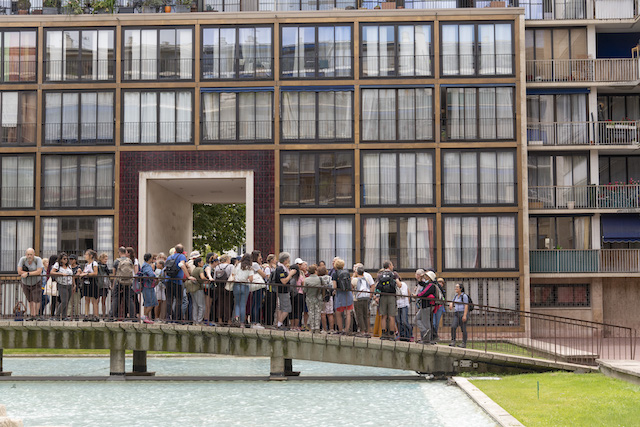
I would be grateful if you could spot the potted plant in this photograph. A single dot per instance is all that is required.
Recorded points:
(50, 7)
(183, 6)
(23, 7)
(151, 6)
(194, 7)
(103, 6)
(167, 6)
(74, 7)
(129, 8)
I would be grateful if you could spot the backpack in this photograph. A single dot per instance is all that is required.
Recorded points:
(440, 297)
(386, 282)
(125, 269)
(471, 305)
(171, 268)
(344, 280)
(103, 277)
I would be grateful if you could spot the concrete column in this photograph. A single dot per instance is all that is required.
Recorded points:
(277, 367)
(116, 362)
(597, 300)
(139, 361)
(2, 372)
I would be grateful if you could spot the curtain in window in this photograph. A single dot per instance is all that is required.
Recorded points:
(387, 50)
(506, 177)
(17, 181)
(308, 244)
(87, 181)
(307, 108)
(104, 181)
(290, 235)
(452, 243)
(343, 51)
(104, 236)
(370, 114)
(507, 241)
(344, 114)
(487, 113)
(104, 129)
(407, 251)
(488, 178)
(54, 55)
(466, 50)
(70, 107)
(407, 171)
(211, 116)
(424, 179)
(131, 118)
(424, 114)
(148, 54)
(407, 50)
(89, 65)
(326, 52)
(469, 242)
(505, 113)
(103, 70)
(69, 180)
(371, 243)
(371, 178)
(504, 49)
(88, 116)
(344, 240)
(468, 178)
(423, 50)
(290, 117)
(326, 115)
(183, 116)
(185, 53)
(489, 242)
(70, 55)
(52, 115)
(387, 114)
(49, 236)
(132, 53)
(582, 227)
(168, 117)
(388, 178)
(425, 238)
(264, 115)
(148, 117)
(51, 181)
(326, 240)
(9, 255)
(451, 178)
(450, 58)
(370, 64)
(487, 49)
(246, 119)
(406, 115)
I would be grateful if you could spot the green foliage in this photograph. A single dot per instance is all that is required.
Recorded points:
(24, 4)
(107, 5)
(566, 399)
(184, 2)
(51, 3)
(153, 3)
(75, 7)
(218, 228)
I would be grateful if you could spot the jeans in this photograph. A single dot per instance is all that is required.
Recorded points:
(436, 320)
(403, 322)
(240, 296)
(197, 313)
(457, 321)
(122, 294)
(256, 305)
(423, 321)
(362, 314)
(65, 296)
(270, 302)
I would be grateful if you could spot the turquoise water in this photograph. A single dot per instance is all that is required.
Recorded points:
(229, 403)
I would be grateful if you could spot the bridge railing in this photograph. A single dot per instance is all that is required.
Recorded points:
(489, 329)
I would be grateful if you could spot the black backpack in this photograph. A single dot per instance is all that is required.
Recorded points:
(387, 282)
(344, 280)
(171, 268)
(471, 305)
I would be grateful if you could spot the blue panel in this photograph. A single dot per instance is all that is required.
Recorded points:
(236, 89)
(620, 228)
(558, 91)
(615, 45)
(316, 88)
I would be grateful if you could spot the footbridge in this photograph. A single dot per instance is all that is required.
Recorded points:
(280, 346)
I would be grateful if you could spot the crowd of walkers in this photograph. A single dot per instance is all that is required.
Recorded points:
(245, 291)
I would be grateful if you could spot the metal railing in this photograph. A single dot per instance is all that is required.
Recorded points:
(379, 128)
(477, 64)
(578, 9)
(22, 70)
(238, 131)
(481, 257)
(162, 68)
(404, 193)
(18, 133)
(20, 196)
(316, 130)
(492, 193)
(584, 261)
(79, 133)
(378, 65)
(258, 67)
(85, 196)
(76, 69)
(314, 65)
(461, 129)
(275, 5)
(327, 194)
(623, 132)
(609, 70)
(611, 196)
(487, 328)
(157, 132)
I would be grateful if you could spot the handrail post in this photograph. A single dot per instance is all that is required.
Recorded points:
(555, 341)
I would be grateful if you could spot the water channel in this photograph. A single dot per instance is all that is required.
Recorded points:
(229, 403)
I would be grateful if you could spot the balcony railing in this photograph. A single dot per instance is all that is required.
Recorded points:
(377, 128)
(584, 261)
(585, 197)
(18, 133)
(157, 132)
(79, 133)
(393, 194)
(85, 196)
(259, 67)
(303, 66)
(19, 70)
(317, 130)
(77, 70)
(238, 131)
(163, 69)
(329, 194)
(584, 133)
(608, 70)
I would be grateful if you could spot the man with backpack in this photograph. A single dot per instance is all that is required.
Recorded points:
(223, 297)
(388, 281)
(122, 295)
(176, 268)
(427, 294)
(341, 281)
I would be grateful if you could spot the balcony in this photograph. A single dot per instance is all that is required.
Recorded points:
(584, 261)
(248, 131)
(79, 70)
(604, 133)
(578, 9)
(585, 197)
(600, 70)
(90, 133)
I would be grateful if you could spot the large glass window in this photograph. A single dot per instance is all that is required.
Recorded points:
(77, 181)
(157, 117)
(18, 56)
(558, 180)
(74, 235)
(158, 54)
(557, 119)
(17, 181)
(402, 114)
(18, 118)
(503, 293)
(237, 53)
(318, 238)
(565, 295)
(396, 50)
(316, 179)
(316, 52)
(477, 49)
(73, 55)
(407, 241)
(16, 235)
(548, 52)
(619, 107)
(480, 242)
(619, 170)
(397, 178)
(484, 113)
(317, 116)
(478, 177)
(78, 118)
(237, 116)
(560, 232)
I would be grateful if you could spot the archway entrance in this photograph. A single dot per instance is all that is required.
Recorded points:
(166, 199)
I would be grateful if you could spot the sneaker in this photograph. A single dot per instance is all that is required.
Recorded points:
(463, 345)
(257, 326)
(453, 344)
(145, 320)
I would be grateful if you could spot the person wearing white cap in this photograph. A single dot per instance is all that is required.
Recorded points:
(426, 294)
(297, 295)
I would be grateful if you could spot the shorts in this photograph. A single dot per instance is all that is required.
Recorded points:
(285, 302)
(90, 289)
(343, 309)
(327, 307)
(32, 292)
(388, 306)
(103, 292)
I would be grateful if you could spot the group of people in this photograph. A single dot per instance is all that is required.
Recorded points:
(244, 291)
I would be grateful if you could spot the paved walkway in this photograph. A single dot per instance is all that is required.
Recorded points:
(628, 370)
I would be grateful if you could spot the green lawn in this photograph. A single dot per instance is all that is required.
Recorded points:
(566, 399)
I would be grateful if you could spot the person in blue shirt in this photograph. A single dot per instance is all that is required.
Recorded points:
(175, 288)
(460, 306)
(148, 291)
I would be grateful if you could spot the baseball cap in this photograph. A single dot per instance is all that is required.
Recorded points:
(298, 261)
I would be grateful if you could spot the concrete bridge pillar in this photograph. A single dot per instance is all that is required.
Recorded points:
(116, 362)
(3, 373)
(140, 363)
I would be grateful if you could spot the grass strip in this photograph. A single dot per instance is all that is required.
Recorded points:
(566, 399)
